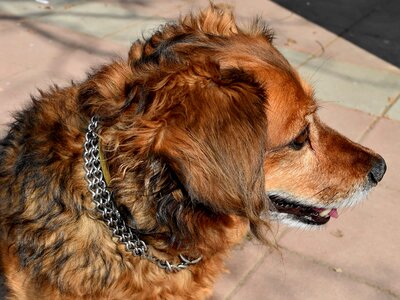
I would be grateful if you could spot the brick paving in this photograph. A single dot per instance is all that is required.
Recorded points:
(356, 256)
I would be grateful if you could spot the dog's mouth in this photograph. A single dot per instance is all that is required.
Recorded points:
(293, 213)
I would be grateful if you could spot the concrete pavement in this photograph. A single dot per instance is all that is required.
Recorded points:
(356, 256)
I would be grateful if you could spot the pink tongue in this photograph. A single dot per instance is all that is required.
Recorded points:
(333, 213)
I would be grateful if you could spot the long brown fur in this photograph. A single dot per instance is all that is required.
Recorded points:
(191, 125)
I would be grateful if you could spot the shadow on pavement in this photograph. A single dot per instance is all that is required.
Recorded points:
(370, 24)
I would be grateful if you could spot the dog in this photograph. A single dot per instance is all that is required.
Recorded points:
(136, 183)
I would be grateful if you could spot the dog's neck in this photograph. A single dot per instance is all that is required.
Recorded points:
(95, 167)
(154, 202)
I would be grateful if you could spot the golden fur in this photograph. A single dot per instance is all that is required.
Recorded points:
(198, 127)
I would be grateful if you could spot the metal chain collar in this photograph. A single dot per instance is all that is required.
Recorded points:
(103, 199)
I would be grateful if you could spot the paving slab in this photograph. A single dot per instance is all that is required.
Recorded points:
(349, 122)
(94, 18)
(39, 55)
(34, 9)
(394, 112)
(298, 33)
(31, 44)
(285, 275)
(362, 242)
(345, 51)
(13, 44)
(15, 91)
(23, 8)
(158, 8)
(385, 139)
(6, 21)
(359, 87)
(296, 58)
(242, 260)
(26, 49)
(136, 30)
(98, 18)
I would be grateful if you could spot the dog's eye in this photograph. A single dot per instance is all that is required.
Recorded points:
(300, 140)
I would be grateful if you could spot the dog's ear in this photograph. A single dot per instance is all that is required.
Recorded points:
(211, 133)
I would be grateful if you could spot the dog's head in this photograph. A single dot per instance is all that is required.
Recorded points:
(210, 120)
(312, 170)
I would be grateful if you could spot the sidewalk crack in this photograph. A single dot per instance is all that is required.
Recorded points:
(391, 103)
(243, 280)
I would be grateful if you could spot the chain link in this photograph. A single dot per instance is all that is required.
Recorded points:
(103, 200)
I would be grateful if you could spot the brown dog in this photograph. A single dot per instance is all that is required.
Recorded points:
(177, 151)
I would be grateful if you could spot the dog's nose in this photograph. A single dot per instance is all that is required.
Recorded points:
(377, 171)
